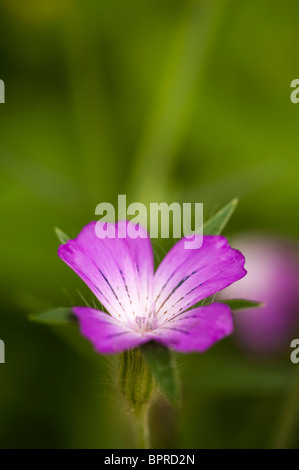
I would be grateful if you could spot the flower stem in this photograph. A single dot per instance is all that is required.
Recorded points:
(142, 427)
(138, 386)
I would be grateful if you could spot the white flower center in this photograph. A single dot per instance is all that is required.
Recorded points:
(147, 323)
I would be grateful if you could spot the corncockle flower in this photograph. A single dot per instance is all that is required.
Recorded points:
(145, 306)
(273, 278)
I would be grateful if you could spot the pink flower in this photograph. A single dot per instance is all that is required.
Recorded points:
(273, 278)
(144, 305)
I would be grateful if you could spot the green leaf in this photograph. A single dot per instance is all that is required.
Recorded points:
(62, 237)
(240, 304)
(57, 316)
(216, 224)
(163, 367)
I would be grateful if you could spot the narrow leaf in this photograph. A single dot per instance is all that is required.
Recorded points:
(62, 237)
(163, 367)
(57, 316)
(216, 224)
(240, 304)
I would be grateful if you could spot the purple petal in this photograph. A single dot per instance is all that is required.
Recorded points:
(196, 330)
(119, 271)
(107, 334)
(187, 276)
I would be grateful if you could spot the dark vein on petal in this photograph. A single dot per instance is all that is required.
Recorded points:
(177, 269)
(192, 290)
(174, 329)
(113, 291)
(99, 290)
(108, 283)
(114, 335)
(127, 290)
(175, 288)
(165, 285)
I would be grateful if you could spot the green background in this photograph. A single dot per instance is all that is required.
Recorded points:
(161, 100)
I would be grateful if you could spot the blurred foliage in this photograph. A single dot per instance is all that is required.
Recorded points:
(163, 101)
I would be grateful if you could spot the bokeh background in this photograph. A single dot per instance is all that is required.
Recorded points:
(161, 100)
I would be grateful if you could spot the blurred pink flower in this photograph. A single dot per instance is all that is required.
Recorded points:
(273, 278)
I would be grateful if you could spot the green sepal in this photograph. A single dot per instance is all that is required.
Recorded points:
(62, 237)
(162, 364)
(241, 304)
(216, 224)
(57, 316)
(136, 380)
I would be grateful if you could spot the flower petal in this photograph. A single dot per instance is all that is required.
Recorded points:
(118, 270)
(187, 276)
(196, 330)
(107, 334)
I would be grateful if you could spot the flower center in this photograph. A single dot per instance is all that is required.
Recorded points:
(143, 324)
(147, 323)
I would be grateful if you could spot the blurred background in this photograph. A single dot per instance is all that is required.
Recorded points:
(161, 100)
